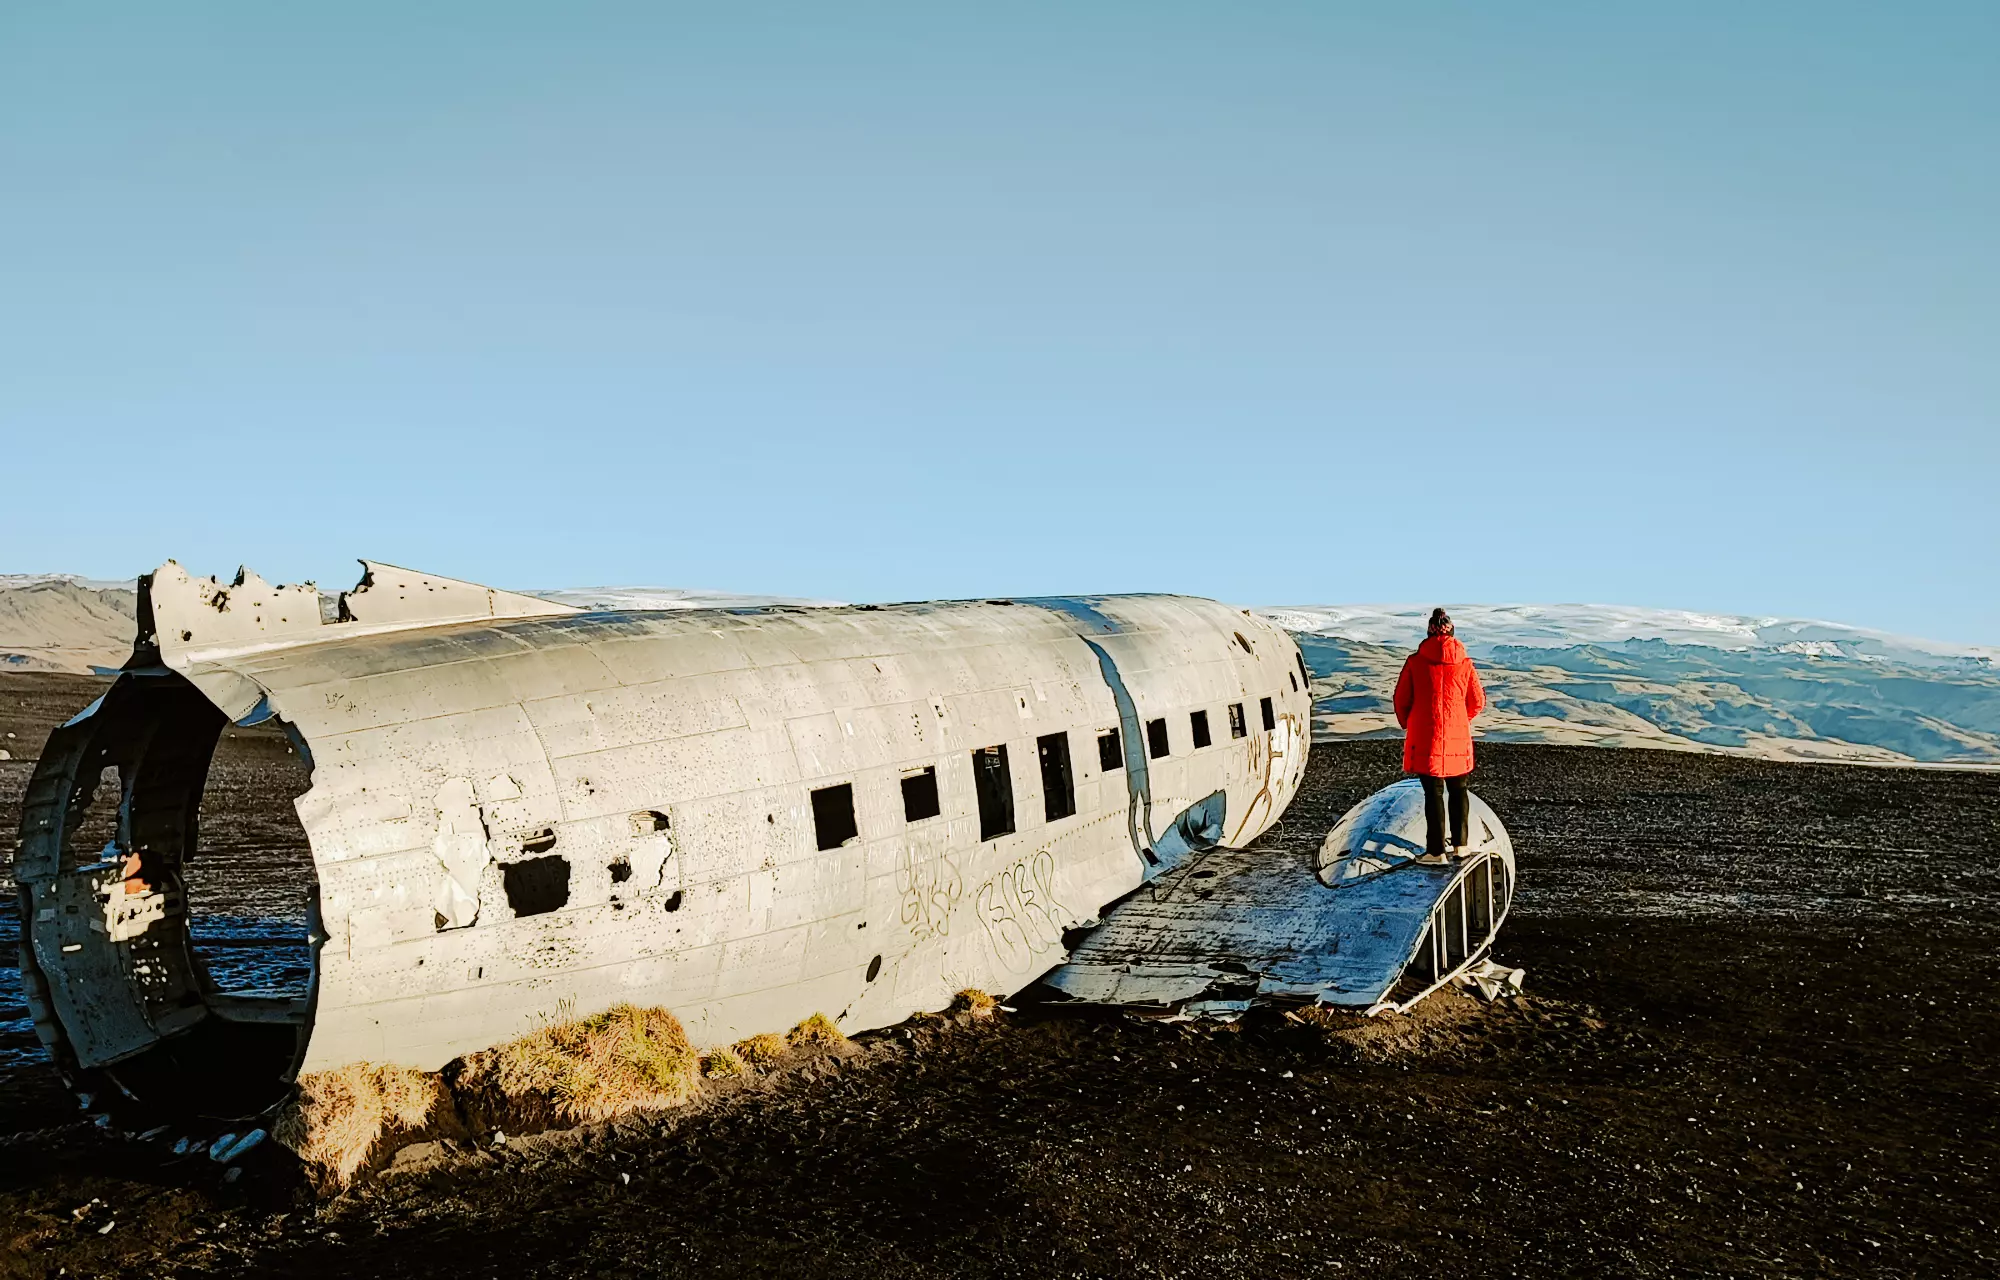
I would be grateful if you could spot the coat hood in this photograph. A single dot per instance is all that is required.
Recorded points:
(1443, 650)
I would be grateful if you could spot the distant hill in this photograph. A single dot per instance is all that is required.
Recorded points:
(1603, 675)
(56, 622)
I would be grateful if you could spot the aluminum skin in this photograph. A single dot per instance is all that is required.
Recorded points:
(520, 811)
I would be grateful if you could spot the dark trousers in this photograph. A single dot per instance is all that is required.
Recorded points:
(1435, 790)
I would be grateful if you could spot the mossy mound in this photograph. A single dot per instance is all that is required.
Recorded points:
(816, 1032)
(975, 1002)
(762, 1052)
(624, 1059)
(339, 1117)
(587, 1070)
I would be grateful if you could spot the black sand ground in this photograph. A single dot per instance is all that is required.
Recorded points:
(1759, 1040)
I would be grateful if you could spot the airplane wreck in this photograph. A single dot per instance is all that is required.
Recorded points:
(520, 811)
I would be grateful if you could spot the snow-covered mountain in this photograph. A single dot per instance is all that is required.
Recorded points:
(1485, 627)
(1618, 676)
(1605, 675)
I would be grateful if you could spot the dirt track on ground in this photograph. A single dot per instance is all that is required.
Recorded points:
(1759, 1039)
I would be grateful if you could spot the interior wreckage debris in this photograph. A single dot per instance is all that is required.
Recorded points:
(520, 811)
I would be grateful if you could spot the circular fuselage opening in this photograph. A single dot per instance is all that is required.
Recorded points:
(169, 925)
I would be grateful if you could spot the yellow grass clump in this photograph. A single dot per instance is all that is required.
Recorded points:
(816, 1032)
(338, 1116)
(762, 1051)
(594, 1068)
(973, 1001)
(722, 1062)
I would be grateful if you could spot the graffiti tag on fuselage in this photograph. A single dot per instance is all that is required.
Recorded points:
(930, 890)
(1019, 909)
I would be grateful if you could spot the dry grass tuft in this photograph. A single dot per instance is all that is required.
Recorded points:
(762, 1051)
(338, 1116)
(722, 1062)
(594, 1068)
(816, 1032)
(975, 1002)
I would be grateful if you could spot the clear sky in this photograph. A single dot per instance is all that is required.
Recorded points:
(1688, 305)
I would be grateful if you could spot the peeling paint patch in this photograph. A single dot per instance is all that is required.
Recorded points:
(461, 851)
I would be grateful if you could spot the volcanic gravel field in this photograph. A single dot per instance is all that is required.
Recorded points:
(1759, 1038)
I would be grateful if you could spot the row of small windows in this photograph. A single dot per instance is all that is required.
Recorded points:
(993, 781)
(1158, 745)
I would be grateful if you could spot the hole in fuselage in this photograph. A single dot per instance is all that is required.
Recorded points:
(536, 886)
(540, 842)
(250, 881)
(187, 875)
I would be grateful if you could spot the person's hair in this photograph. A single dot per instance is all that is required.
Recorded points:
(1441, 623)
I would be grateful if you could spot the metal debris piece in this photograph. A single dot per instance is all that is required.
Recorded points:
(1366, 922)
(230, 1148)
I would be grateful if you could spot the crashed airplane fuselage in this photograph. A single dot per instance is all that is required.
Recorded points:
(521, 812)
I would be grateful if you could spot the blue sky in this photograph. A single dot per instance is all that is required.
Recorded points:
(1685, 305)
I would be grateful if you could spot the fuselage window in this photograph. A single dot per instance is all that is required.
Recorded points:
(833, 815)
(1245, 643)
(1270, 717)
(1198, 724)
(1156, 738)
(1236, 726)
(1295, 682)
(1058, 790)
(920, 795)
(1304, 674)
(995, 788)
(1110, 752)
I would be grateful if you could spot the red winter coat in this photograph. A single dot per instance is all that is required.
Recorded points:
(1437, 696)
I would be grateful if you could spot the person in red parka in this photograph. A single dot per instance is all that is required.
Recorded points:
(1437, 697)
